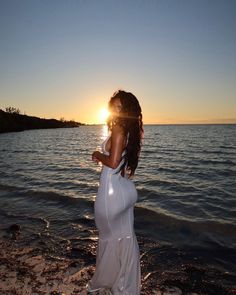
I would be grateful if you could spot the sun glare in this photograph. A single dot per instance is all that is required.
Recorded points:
(103, 114)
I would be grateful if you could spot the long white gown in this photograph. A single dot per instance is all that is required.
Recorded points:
(118, 256)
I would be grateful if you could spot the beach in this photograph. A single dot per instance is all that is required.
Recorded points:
(28, 270)
(65, 268)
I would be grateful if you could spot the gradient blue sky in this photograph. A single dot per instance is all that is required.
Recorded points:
(66, 58)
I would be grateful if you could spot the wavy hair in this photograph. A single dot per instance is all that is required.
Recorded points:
(130, 119)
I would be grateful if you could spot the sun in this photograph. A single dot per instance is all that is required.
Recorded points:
(103, 114)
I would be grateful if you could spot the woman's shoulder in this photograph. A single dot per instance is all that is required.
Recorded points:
(117, 129)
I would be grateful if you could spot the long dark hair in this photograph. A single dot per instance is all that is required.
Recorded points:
(130, 119)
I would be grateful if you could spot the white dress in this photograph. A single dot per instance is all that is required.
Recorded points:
(118, 257)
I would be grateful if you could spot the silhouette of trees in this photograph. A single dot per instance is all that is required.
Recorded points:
(12, 110)
(13, 120)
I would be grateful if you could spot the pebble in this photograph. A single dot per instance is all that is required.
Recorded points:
(169, 291)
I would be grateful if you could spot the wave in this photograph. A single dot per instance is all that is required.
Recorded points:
(217, 162)
(6, 187)
(218, 152)
(20, 217)
(160, 224)
(177, 186)
(41, 195)
(227, 147)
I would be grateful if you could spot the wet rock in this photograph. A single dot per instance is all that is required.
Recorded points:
(14, 230)
(166, 290)
(74, 264)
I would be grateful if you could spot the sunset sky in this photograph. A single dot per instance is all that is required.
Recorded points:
(66, 58)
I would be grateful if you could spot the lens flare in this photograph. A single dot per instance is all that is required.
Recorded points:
(103, 114)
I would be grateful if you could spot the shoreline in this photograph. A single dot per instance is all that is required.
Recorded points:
(33, 269)
(13, 121)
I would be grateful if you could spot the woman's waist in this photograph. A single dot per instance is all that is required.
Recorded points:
(108, 173)
(113, 170)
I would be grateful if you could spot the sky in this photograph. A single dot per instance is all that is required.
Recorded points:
(65, 58)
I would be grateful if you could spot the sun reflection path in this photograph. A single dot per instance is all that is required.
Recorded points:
(104, 132)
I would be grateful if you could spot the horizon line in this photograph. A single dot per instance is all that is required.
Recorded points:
(229, 121)
(98, 124)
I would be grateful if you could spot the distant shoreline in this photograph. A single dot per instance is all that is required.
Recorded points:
(14, 122)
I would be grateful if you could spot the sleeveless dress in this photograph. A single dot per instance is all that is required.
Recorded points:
(118, 256)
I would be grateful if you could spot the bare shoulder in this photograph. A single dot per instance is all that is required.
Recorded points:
(117, 129)
(118, 135)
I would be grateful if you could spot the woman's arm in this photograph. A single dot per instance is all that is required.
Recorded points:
(117, 146)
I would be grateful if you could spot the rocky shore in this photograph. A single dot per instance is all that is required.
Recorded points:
(65, 268)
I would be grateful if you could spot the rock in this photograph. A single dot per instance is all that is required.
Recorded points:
(14, 228)
(169, 291)
(104, 291)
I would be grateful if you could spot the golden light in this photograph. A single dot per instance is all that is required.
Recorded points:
(103, 114)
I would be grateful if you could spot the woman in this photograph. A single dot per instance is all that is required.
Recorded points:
(117, 262)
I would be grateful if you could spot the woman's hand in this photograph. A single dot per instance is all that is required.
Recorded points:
(94, 157)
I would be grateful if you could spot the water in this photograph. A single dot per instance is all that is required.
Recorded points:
(186, 182)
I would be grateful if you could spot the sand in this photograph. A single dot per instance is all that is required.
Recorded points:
(28, 270)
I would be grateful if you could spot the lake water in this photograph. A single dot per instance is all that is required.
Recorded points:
(186, 182)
